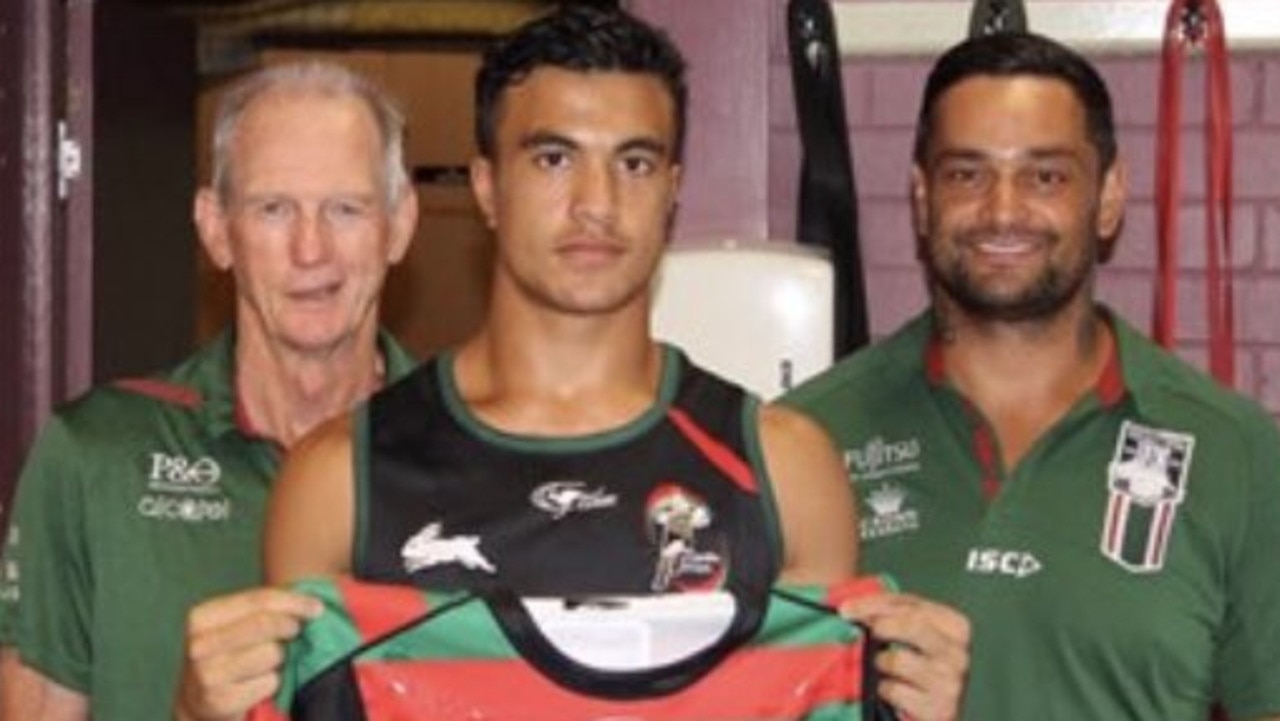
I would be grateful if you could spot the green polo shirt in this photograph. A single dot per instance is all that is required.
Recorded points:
(138, 500)
(1124, 569)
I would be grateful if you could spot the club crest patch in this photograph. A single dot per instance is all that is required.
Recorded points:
(677, 520)
(1147, 481)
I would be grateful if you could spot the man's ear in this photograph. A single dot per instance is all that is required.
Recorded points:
(404, 223)
(919, 201)
(211, 225)
(1114, 194)
(1111, 203)
(482, 182)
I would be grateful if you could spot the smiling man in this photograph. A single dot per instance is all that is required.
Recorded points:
(1105, 514)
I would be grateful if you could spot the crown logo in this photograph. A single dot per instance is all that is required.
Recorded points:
(886, 500)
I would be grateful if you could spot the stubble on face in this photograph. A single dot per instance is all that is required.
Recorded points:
(1008, 204)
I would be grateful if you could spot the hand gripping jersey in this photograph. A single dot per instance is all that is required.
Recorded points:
(677, 499)
(395, 653)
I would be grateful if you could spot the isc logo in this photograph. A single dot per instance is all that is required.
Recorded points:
(182, 472)
(1000, 562)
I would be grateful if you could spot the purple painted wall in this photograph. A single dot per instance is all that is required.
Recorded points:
(726, 43)
(882, 97)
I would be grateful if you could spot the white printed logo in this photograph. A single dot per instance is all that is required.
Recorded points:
(560, 498)
(10, 574)
(1002, 562)
(879, 458)
(426, 548)
(888, 516)
(182, 489)
(180, 474)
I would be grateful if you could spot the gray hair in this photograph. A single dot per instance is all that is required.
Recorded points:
(320, 77)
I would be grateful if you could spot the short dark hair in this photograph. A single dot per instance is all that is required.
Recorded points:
(581, 38)
(1012, 54)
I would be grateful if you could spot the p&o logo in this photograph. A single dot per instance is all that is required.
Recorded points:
(185, 490)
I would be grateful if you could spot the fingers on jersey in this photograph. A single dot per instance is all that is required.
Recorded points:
(926, 661)
(234, 649)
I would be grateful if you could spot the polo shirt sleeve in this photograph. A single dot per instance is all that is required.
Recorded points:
(1249, 651)
(45, 597)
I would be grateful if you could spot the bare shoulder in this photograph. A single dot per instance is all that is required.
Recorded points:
(815, 503)
(789, 430)
(333, 436)
(310, 515)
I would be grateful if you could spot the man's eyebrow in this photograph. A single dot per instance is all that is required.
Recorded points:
(645, 144)
(542, 138)
(547, 138)
(1041, 153)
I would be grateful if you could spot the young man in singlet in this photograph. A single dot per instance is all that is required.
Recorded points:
(561, 449)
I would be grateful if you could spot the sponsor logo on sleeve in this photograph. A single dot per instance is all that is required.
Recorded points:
(10, 573)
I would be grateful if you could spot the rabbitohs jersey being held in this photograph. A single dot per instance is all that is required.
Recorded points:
(387, 653)
(677, 499)
(1125, 568)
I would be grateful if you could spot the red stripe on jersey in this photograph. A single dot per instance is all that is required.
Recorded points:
(168, 392)
(1110, 387)
(759, 683)
(935, 365)
(266, 711)
(1115, 523)
(376, 609)
(719, 454)
(984, 448)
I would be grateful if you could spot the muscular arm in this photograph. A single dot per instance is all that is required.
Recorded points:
(310, 518)
(815, 503)
(28, 695)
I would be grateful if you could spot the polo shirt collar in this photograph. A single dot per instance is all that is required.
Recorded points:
(1112, 385)
(214, 377)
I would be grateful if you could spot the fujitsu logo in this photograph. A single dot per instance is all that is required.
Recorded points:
(879, 458)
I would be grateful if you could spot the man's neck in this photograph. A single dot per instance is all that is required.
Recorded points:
(1024, 376)
(559, 376)
(284, 393)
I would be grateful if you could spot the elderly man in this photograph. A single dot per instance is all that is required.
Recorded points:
(147, 495)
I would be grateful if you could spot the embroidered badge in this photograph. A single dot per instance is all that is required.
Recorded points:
(1147, 480)
(675, 516)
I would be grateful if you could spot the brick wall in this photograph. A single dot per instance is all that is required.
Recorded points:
(881, 98)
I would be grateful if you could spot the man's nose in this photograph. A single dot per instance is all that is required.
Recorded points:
(311, 241)
(1004, 200)
(595, 194)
